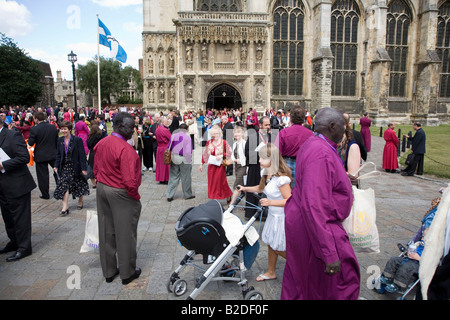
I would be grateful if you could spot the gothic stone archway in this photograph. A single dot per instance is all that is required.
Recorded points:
(224, 96)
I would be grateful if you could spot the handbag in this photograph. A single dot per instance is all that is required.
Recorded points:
(91, 239)
(226, 162)
(167, 159)
(361, 223)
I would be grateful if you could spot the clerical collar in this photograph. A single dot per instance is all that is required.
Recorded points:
(118, 136)
(327, 141)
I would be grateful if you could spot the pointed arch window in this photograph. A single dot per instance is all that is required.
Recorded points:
(345, 17)
(443, 48)
(288, 48)
(219, 5)
(397, 28)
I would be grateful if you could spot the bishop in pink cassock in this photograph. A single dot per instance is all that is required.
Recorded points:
(320, 261)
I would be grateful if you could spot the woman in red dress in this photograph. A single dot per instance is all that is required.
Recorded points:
(390, 162)
(213, 155)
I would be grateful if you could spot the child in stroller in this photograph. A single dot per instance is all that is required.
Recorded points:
(214, 233)
(401, 271)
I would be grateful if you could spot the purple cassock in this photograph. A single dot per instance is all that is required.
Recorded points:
(365, 132)
(320, 201)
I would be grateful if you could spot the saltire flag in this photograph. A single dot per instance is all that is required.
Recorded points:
(106, 39)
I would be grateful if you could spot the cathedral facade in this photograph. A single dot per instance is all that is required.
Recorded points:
(386, 57)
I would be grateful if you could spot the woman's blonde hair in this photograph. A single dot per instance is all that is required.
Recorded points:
(216, 128)
(277, 163)
(244, 131)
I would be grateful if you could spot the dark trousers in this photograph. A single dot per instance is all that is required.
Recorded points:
(118, 218)
(43, 176)
(417, 163)
(16, 213)
(147, 153)
(402, 271)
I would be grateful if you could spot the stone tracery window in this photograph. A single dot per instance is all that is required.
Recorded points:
(219, 5)
(443, 48)
(288, 47)
(344, 45)
(397, 28)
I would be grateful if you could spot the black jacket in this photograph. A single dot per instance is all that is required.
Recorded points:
(17, 179)
(418, 142)
(78, 155)
(45, 136)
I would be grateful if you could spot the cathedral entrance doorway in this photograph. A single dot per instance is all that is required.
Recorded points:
(224, 96)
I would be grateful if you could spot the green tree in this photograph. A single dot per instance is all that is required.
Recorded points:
(20, 75)
(136, 75)
(112, 81)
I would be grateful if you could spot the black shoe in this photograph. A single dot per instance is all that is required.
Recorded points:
(169, 199)
(18, 255)
(64, 213)
(110, 279)
(9, 248)
(191, 197)
(136, 275)
(407, 174)
(44, 197)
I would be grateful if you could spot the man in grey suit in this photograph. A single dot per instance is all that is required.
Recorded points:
(16, 184)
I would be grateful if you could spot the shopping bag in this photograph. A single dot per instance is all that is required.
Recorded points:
(91, 241)
(361, 223)
(31, 152)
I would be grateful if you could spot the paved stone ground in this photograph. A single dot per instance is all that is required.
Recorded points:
(400, 201)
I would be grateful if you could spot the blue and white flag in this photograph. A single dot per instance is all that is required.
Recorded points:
(106, 39)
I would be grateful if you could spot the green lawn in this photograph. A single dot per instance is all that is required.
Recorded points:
(437, 156)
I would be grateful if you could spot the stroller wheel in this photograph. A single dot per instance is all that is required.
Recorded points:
(253, 295)
(170, 282)
(179, 287)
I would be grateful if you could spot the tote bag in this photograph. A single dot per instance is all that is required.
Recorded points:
(91, 241)
(361, 223)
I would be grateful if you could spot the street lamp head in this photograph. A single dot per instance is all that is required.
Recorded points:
(72, 57)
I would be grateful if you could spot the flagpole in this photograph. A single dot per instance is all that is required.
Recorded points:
(98, 71)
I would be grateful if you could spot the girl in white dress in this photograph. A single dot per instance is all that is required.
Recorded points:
(276, 184)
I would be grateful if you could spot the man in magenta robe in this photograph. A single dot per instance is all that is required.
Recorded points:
(365, 123)
(320, 261)
(390, 161)
(163, 136)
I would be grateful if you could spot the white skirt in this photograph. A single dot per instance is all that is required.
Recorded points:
(273, 233)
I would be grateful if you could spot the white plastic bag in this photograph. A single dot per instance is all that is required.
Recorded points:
(361, 223)
(91, 241)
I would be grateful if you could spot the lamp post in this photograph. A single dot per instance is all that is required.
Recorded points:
(72, 57)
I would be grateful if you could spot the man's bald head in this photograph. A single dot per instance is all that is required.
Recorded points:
(331, 123)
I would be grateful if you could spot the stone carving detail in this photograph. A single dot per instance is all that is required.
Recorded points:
(151, 92)
(162, 93)
(172, 93)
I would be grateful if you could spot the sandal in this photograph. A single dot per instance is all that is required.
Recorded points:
(80, 206)
(263, 277)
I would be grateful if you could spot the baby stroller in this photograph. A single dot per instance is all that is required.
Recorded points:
(381, 283)
(200, 230)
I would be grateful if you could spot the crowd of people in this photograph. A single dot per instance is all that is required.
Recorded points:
(318, 154)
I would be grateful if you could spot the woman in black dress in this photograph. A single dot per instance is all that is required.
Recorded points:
(70, 166)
